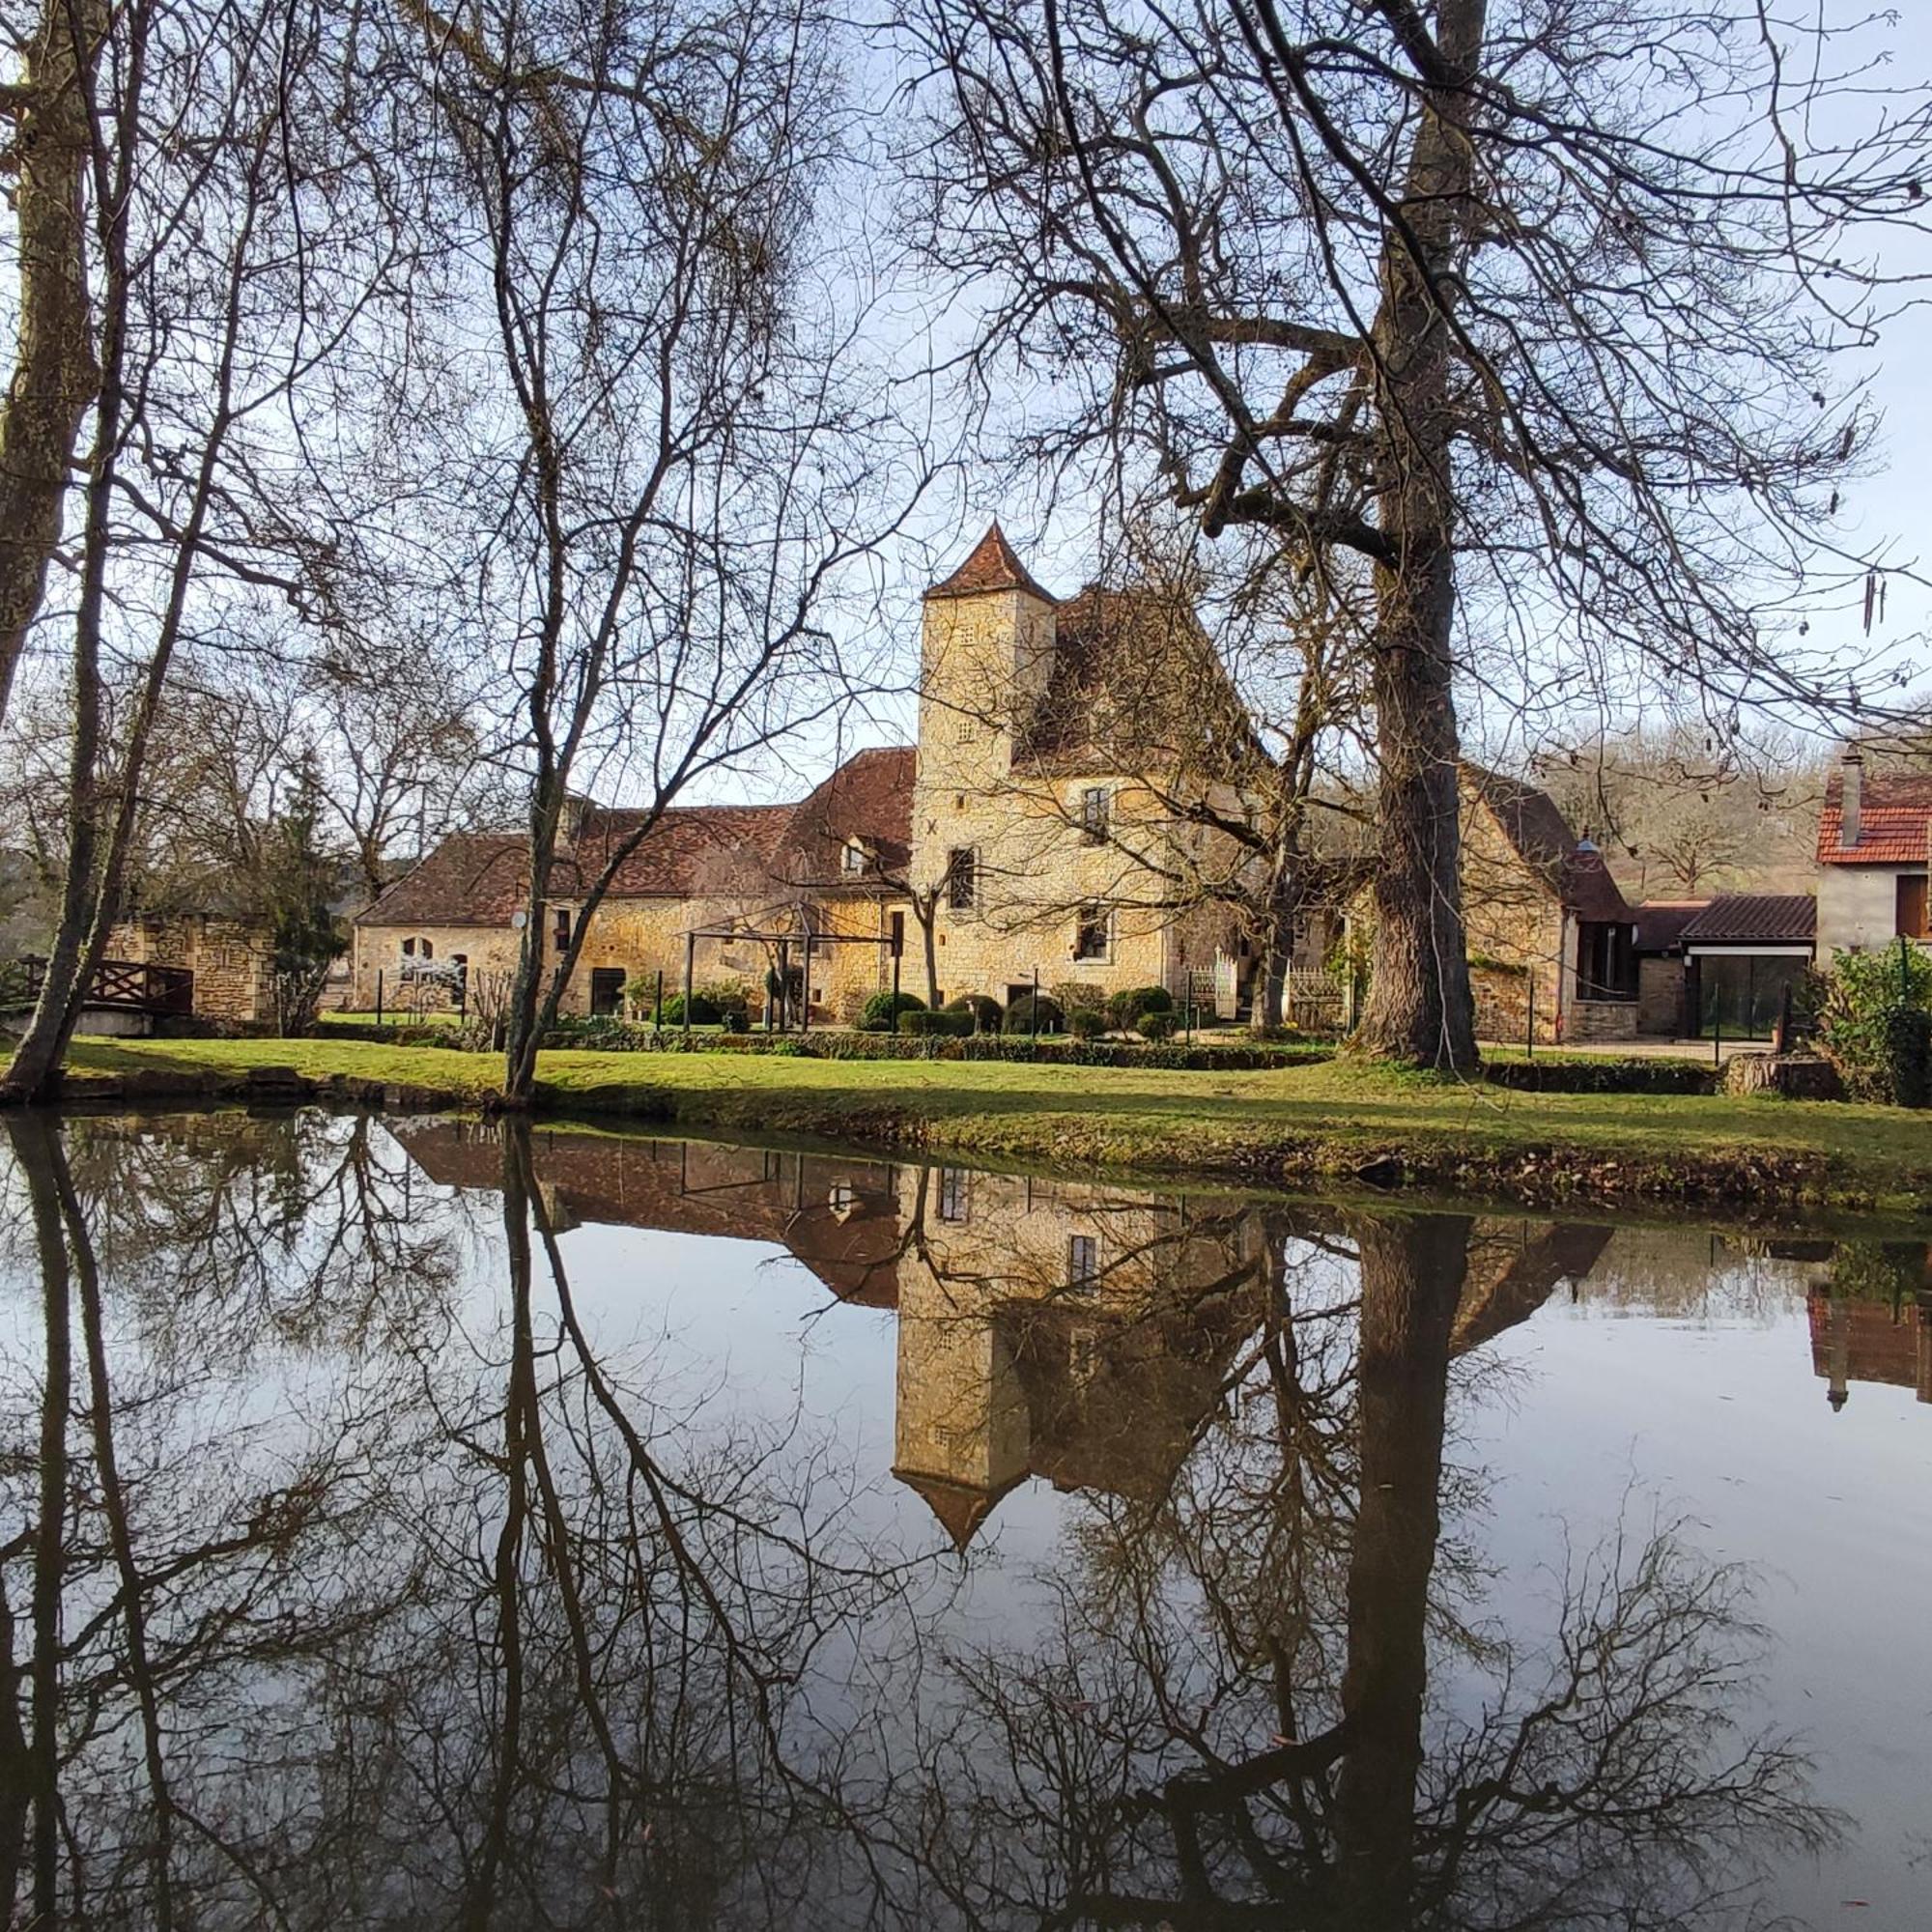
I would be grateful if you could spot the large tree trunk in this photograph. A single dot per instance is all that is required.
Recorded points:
(1412, 1272)
(1280, 910)
(1419, 1009)
(54, 371)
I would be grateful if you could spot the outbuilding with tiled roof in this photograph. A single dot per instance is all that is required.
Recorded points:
(1874, 845)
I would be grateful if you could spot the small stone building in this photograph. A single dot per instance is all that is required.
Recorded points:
(1550, 937)
(744, 884)
(232, 960)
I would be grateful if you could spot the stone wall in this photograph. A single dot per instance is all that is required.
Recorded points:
(644, 937)
(985, 659)
(1591, 1021)
(232, 962)
(1660, 997)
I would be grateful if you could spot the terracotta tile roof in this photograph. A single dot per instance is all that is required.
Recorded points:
(1781, 918)
(1895, 810)
(993, 565)
(1541, 837)
(1661, 923)
(701, 848)
(867, 798)
(1135, 684)
(480, 878)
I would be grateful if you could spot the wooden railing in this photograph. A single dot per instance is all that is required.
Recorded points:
(133, 986)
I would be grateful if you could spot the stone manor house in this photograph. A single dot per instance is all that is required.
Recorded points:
(1037, 855)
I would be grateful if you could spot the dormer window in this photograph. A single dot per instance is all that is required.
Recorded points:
(856, 858)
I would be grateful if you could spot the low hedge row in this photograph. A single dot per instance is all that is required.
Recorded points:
(1556, 1075)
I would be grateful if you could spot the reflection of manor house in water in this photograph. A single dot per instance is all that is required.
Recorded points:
(1046, 1328)
(1854, 1341)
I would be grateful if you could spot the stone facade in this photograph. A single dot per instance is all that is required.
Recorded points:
(1035, 892)
(232, 962)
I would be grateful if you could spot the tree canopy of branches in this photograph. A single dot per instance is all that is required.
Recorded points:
(1514, 329)
(225, 205)
(667, 469)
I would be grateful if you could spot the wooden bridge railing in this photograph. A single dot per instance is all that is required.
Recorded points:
(133, 986)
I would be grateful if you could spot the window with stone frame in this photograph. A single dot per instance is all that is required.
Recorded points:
(1092, 932)
(1095, 814)
(855, 857)
(560, 929)
(1083, 1260)
(955, 1193)
(962, 878)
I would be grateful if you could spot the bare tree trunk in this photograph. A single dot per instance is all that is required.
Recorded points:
(34, 1150)
(54, 371)
(1280, 910)
(1420, 1010)
(929, 920)
(1412, 1274)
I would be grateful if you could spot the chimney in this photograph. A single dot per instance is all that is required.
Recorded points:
(1852, 770)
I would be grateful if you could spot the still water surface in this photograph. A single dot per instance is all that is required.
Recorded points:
(416, 1525)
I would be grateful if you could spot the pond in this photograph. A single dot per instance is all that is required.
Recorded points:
(421, 1523)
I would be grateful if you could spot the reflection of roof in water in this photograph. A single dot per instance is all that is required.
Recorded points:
(1114, 1394)
(839, 1215)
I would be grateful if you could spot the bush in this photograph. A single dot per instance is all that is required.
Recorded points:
(729, 999)
(1073, 996)
(880, 1011)
(702, 1012)
(1021, 1015)
(946, 1024)
(1872, 1010)
(1125, 1007)
(986, 1013)
(1086, 1023)
(1155, 1027)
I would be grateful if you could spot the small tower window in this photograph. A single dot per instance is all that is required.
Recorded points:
(855, 857)
(1095, 809)
(1083, 1260)
(962, 879)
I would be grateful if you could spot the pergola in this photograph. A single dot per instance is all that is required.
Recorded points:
(782, 938)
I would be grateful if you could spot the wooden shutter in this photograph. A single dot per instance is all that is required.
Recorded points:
(1912, 904)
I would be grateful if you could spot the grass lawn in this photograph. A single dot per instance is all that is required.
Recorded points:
(1323, 1121)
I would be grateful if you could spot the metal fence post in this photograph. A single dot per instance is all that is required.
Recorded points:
(379, 996)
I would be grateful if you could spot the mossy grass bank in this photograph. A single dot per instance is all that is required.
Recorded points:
(1335, 1124)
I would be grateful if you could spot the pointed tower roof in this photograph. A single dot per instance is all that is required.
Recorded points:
(993, 565)
(959, 1507)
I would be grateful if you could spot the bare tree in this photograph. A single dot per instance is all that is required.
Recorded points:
(235, 253)
(1471, 314)
(673, 474)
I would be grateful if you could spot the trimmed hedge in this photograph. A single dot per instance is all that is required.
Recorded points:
(985, 1010)
(1125, 1007)
(946, 1024)
(880, 1011)
(1557, 1076)
(1086, 1022)
(1155, 1026)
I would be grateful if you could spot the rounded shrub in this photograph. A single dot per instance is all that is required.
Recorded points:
(1155, 1027)
(986, 1012)
(1125, 1007)
(880, 1012)
(1086, 1023)
(1020, 1015)
(702, 1012)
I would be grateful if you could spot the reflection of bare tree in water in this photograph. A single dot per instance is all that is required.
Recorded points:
(1188, 1756)
(385, 1609)
(471, 1637)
